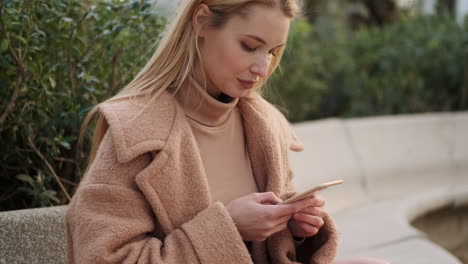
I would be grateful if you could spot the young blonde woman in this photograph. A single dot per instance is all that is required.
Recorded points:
(189, 162)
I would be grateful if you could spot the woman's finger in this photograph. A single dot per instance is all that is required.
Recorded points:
(314, 210)
(320, 199)
(266, 198)
(308, 202)
(307, 230)
(274, 224)
(279, 228)
(315, 221)
(282, 220)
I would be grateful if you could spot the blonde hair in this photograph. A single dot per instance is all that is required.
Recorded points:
(176, 54)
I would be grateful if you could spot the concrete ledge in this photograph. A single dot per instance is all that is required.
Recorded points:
(460, 154)
(329, 155)
(398, 153)
(413, 251)
(396, 168)
(387, 222)
(33, 236)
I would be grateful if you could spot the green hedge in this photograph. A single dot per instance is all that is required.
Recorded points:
(418, 65)
(60, 58)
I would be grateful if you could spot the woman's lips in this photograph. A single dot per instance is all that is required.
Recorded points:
(247, 84)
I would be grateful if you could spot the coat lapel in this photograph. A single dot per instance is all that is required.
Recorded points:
(263, 145)
(179, 184)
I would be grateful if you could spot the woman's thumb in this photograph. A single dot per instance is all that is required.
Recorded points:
(267, 198)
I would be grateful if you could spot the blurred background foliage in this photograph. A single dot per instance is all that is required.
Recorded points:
(349, 64)
(344, 59)
(416, 65)
(58, 59)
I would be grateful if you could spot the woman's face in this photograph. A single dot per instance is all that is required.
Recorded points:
(239, 54)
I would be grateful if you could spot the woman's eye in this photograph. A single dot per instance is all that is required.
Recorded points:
(273, 53)
(248, 48)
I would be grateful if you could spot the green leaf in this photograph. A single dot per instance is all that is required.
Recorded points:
(22, 39)
(51, 195)
(25, 190)
(3, 45)
(145, 5)
(25, 178)
(42, 33)
(67, 19)
(116, 30)
(65, 144)
(40, 178)
(52, 81)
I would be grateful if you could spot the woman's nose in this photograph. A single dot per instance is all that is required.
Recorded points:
(260, 67)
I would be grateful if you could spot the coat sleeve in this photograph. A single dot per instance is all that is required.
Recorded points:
(110, 221)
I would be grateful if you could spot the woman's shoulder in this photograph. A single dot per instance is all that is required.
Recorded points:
(268, 116)
(139, 124)
(257, 103)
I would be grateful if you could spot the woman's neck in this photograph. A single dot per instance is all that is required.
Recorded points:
(210, 88)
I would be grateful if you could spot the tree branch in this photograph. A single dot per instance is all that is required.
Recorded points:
(113, 83)
(69, 61)
(57, 178)
(27, 42)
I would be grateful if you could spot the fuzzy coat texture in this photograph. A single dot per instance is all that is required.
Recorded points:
(146, 199)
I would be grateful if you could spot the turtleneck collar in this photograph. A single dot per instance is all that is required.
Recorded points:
(202, 107)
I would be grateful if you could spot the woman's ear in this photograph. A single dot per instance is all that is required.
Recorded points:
(201, 18)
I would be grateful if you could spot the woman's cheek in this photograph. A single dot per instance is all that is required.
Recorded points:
(236, 58)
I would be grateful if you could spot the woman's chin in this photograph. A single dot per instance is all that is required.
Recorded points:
(237, 92)
(240, 91)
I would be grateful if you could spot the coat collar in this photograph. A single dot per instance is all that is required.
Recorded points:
(139, 126)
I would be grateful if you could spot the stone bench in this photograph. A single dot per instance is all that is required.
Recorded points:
(395, 169)
(33, 236)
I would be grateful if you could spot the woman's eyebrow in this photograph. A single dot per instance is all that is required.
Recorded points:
(261, 40)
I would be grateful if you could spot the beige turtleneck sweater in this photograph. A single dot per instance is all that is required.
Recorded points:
(219, 132)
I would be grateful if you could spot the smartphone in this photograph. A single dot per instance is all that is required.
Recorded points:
(309, 192)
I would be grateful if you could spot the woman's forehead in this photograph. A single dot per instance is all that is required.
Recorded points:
(266, 23)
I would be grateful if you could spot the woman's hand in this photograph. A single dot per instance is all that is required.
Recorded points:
(308, 221)
(257, 216)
